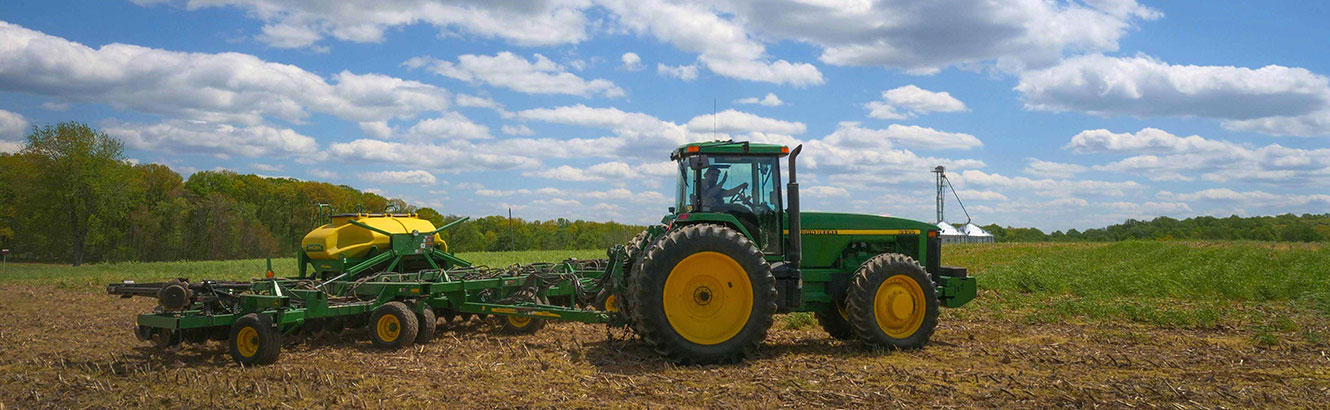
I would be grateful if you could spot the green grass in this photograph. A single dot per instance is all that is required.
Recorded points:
(1170, 284)
(1261, 286)
(98, 275)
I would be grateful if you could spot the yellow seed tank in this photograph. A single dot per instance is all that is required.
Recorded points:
(340, 238)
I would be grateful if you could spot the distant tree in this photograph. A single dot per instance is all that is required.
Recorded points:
(79, 169)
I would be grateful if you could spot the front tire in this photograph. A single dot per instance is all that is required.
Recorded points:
(703, 295)
(892, 303)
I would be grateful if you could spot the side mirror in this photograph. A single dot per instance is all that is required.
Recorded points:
(671, 211)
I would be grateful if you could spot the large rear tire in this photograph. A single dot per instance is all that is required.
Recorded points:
(892, 303)
(703, 295)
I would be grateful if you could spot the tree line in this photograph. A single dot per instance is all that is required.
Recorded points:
(1285, 228)
(69, 195)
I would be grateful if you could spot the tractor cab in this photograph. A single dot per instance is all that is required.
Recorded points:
(732, 180)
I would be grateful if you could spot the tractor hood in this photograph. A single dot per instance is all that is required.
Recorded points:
(820, 221)
(825, 235)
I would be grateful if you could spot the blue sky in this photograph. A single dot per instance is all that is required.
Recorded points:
(1051, 114)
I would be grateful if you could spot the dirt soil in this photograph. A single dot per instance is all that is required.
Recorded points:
(74, 349)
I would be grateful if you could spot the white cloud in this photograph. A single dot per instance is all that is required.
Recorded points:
(376, 129)
(449, 126)
(850, 135)
(457, 156)
(415, 177)
(909, 101)
(738, 121)
(614, 171)
(635, 134)
(224, 87)
(729, 35)
(296, 23)
(1049, 169)
(770, 100)
(467, 100)
(722, 44)
(923, 38)
(323, 173)
(1272, 99)
(12, 126)
(199, 137)
(1164, 156)
(632, 62)
(683, 72)
(266, 167)
(518, 130)
(511, 71)
(1248, 199)
(824, 191)
(1046, 187)
(55, 106)
(974, 195)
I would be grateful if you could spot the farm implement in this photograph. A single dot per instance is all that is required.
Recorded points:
(701, 287)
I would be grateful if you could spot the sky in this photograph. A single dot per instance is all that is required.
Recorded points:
(1051, 114)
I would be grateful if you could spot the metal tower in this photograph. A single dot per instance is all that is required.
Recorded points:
(941, 190)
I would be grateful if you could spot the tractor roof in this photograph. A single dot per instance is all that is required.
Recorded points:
(730, 147)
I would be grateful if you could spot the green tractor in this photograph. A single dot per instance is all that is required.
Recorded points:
(735, 250)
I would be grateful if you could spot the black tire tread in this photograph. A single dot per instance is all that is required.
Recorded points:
(410, 327)
(837, 326)
(648, 314)
(270, 340)
(863, 288)
(428, 323)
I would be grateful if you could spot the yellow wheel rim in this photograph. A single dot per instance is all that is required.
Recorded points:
(611, 304)
(840, 308)
(247, 341)
(519, 321)
(708, 298)
(388, 328)
(899, 306)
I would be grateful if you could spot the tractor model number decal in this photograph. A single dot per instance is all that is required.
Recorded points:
(857, 231)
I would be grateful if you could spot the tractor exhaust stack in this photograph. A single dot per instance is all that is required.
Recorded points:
(795, 253)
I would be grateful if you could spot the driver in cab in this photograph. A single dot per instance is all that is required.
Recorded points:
(712, 188)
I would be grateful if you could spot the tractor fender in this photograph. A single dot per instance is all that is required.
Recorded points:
(727, 220)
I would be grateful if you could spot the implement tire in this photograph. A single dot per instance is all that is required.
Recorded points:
(892, 303)
(254, 341)
(519, 325)
(428, 324)
(703, 295)
(393, 326)
(836, 321)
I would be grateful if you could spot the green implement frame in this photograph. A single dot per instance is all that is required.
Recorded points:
(291, 302)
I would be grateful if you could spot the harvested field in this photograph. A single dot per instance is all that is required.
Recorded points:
(67, 345)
